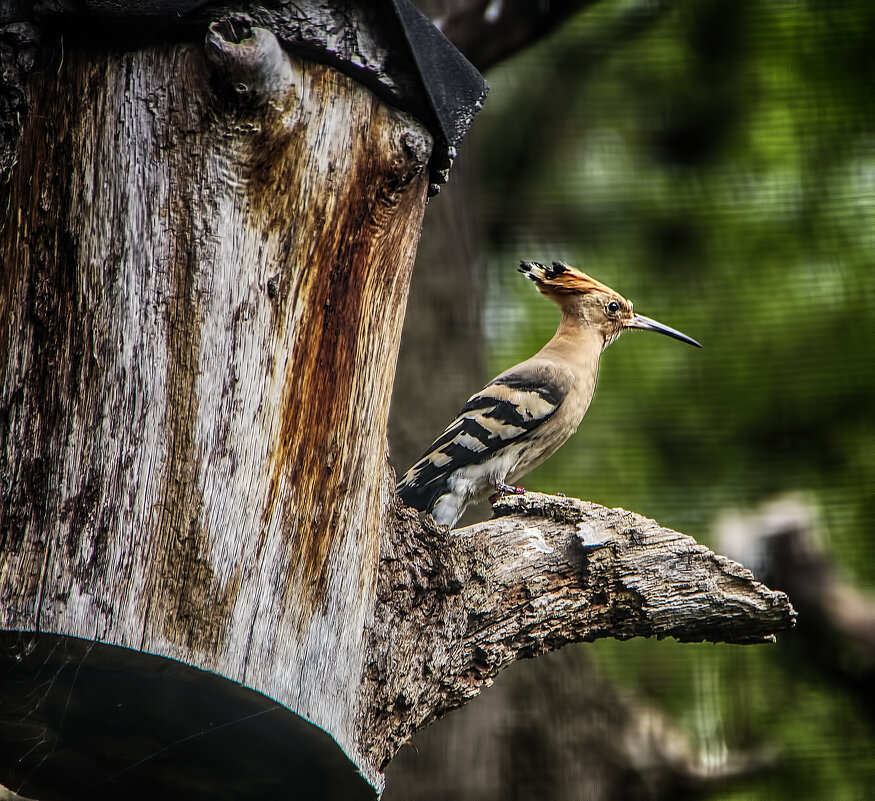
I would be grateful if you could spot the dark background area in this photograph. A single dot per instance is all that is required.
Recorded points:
(715, 162)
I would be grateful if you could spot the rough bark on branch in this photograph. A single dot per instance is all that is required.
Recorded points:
(545, 572)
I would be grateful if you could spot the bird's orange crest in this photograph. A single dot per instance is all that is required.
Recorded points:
(561, 279)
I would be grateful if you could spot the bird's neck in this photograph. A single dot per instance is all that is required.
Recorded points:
(576, 343)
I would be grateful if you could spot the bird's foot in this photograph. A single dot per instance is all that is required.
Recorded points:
(505, 489)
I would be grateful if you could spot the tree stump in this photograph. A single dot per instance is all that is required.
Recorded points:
(206, 262)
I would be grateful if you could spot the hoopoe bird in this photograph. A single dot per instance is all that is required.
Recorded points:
(524, 415)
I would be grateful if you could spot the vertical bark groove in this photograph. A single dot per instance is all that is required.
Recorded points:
(40, 364)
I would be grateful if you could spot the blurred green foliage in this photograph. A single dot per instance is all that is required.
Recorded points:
(715, 162)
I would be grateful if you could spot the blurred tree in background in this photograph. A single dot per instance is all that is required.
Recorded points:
(714, 161)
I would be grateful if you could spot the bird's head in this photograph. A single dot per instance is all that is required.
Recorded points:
(598, 306)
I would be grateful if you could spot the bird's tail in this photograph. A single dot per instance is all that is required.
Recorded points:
(420, 494)
(560, 279)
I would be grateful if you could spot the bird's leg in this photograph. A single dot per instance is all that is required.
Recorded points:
(505, 489)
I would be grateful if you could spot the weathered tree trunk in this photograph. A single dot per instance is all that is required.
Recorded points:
(206, 257)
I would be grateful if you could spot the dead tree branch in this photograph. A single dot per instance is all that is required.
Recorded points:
(782, 540)
(488, 32)
(454, 609)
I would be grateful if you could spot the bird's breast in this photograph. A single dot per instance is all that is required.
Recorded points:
(555, 431)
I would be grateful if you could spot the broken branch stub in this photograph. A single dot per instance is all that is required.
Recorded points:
(248, 60)
(546, 571)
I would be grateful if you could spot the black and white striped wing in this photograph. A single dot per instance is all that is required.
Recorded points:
(505, 411)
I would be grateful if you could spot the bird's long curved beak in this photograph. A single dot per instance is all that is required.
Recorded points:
(646, 324)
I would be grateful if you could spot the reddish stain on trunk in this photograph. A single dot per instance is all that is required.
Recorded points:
(350, 283)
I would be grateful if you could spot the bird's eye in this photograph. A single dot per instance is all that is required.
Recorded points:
(613, 307)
